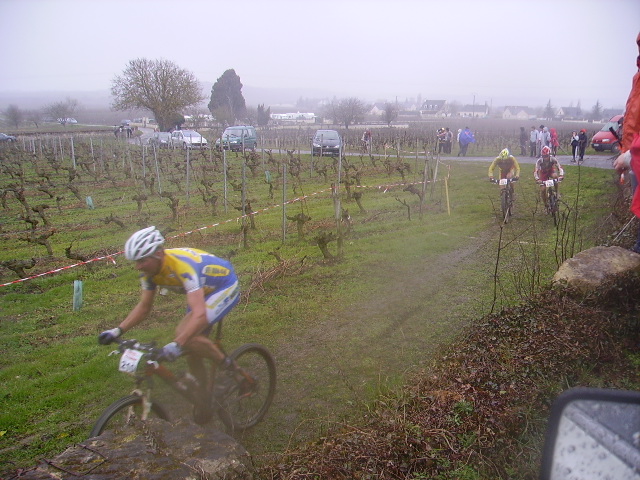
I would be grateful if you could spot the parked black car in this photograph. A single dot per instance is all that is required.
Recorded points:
(326, 142)
(4, 138)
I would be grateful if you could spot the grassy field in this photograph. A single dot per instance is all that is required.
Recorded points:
(342, 329)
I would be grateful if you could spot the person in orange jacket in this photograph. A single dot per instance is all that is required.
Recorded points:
(630, 142)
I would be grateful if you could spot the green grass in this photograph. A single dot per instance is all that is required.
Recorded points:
(342, 331)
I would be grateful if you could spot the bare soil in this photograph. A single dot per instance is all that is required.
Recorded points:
(332, 367)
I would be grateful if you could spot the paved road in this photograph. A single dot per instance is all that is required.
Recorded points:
(598, 161)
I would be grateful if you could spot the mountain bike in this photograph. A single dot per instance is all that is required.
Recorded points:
(553, 202)
(507, 196)
(239, 396)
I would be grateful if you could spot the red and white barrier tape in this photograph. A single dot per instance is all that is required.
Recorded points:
(110, 256)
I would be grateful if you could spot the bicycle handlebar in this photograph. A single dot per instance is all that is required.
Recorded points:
(150, 349)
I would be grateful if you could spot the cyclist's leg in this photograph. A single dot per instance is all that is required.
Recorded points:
(543, 196)
(201, 347)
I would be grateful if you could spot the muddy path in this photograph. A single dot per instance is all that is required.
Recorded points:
(330, 367)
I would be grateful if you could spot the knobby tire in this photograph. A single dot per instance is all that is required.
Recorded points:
(116, 414)
(239, 412)
(505, 203)
(553, 207)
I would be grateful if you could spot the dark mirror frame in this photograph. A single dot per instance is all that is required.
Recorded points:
(564, 399)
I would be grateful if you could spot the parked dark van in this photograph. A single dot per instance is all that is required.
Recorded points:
(239, 137)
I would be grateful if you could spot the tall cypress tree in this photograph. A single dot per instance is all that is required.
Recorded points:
(226, 96)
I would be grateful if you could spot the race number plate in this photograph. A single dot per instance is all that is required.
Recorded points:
(503, 181)
(129, 361)
(548, 183)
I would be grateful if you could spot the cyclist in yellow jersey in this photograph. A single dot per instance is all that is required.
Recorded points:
(509, 166)
(211, 287)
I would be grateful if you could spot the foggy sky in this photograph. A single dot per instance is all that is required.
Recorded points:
(502, 52)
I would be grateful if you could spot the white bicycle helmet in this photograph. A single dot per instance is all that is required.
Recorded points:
(143, 243)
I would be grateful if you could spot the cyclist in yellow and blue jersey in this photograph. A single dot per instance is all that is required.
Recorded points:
(509, 166)
(209, 283)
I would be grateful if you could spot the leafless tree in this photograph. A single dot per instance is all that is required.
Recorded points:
(347, 111)
(156, 85)
(34, 116)
(390, 113)
(13, 115)
(62, 111)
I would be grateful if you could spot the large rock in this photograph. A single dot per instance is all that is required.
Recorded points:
(151, 450)
(589, 268)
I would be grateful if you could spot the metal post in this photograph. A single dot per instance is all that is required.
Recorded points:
(284, 200)
(224, 170)
(188, 173)
(155, 158)
(73, 154)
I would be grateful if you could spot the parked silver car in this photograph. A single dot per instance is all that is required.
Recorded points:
(161, 140)
(188, 139)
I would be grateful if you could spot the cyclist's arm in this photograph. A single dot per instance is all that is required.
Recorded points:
(560, 169)
(516, 166)
(492, 167)
(140, 311)
(196, 320)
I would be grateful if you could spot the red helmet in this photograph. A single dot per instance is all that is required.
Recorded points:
(583, 131)
(545, 151)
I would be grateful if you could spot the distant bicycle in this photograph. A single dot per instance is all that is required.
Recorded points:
(553, 202)
(507, 196)
(240, 398)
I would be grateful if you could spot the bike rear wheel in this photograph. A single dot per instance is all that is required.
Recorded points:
(122, 412)
(242, 403)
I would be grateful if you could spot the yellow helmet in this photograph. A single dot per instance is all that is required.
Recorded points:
(504, 154)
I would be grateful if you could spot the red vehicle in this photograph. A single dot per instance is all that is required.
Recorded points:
(604, 139)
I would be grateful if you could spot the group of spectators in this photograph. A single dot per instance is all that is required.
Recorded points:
(445, 140)
(541, 137)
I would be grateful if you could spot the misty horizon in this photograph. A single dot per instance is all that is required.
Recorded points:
(497, 52)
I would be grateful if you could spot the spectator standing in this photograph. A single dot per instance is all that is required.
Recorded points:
(441, 136)
(523, 141)
(574, 145)
(448, 140)
(545, 138)
(539, 144)
(582, 143)
(466, 138)
(554, 142)
(533, 141)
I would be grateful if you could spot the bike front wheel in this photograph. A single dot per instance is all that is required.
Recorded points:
(124, 411)
(505, 203)
(243, 399)
(554, 207)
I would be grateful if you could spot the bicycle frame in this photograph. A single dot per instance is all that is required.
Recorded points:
(506, 197)
(153, 368)
(240, 395)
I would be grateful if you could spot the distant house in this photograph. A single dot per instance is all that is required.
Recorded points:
(377, 109)
(518, 113)
(433, 108)
(570, 113)
(474, 111)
